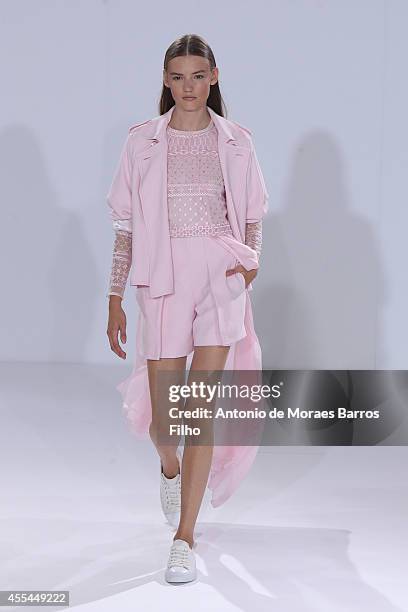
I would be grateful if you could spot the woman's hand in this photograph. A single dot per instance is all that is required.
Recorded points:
(116, 323)
(249, 275)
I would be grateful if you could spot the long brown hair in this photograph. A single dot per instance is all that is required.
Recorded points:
(191, 44)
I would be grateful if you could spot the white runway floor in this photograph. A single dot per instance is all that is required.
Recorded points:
(310, 529)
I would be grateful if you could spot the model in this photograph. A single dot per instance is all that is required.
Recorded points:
(187, 201)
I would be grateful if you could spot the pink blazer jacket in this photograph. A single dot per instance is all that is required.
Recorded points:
(138, 193)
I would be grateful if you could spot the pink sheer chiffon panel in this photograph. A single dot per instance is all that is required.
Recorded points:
(230, 466)
(135, 392)
(135, 395)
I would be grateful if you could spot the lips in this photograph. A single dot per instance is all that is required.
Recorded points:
(189, 98)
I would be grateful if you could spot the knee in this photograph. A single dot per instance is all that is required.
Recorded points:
(159, 433)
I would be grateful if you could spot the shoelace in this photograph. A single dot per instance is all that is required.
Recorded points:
(178, 557)
(172, 496)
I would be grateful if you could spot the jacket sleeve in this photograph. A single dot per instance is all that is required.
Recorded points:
(119, 197)
(257, 194)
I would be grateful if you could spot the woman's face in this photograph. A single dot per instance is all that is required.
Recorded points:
(189, 78)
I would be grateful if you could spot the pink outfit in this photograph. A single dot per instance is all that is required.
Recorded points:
(218, 165)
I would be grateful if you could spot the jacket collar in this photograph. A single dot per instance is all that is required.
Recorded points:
(221, 124)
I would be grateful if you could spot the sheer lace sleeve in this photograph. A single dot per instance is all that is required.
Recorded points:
(253, 236)
(121, 258)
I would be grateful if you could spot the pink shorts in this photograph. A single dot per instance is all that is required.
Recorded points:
(207, 307)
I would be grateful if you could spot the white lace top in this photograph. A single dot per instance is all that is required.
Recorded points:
(196, 199)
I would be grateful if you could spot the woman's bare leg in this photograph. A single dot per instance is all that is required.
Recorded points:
(161, 420)
(197, 459)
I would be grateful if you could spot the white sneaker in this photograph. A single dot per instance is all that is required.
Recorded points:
(170, 495)
(181, 566)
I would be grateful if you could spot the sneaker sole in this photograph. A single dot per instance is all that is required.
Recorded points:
(181, 578)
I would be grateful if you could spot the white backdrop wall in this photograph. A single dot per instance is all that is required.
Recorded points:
(321, 83)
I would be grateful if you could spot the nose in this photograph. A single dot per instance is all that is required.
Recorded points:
(188, 88)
